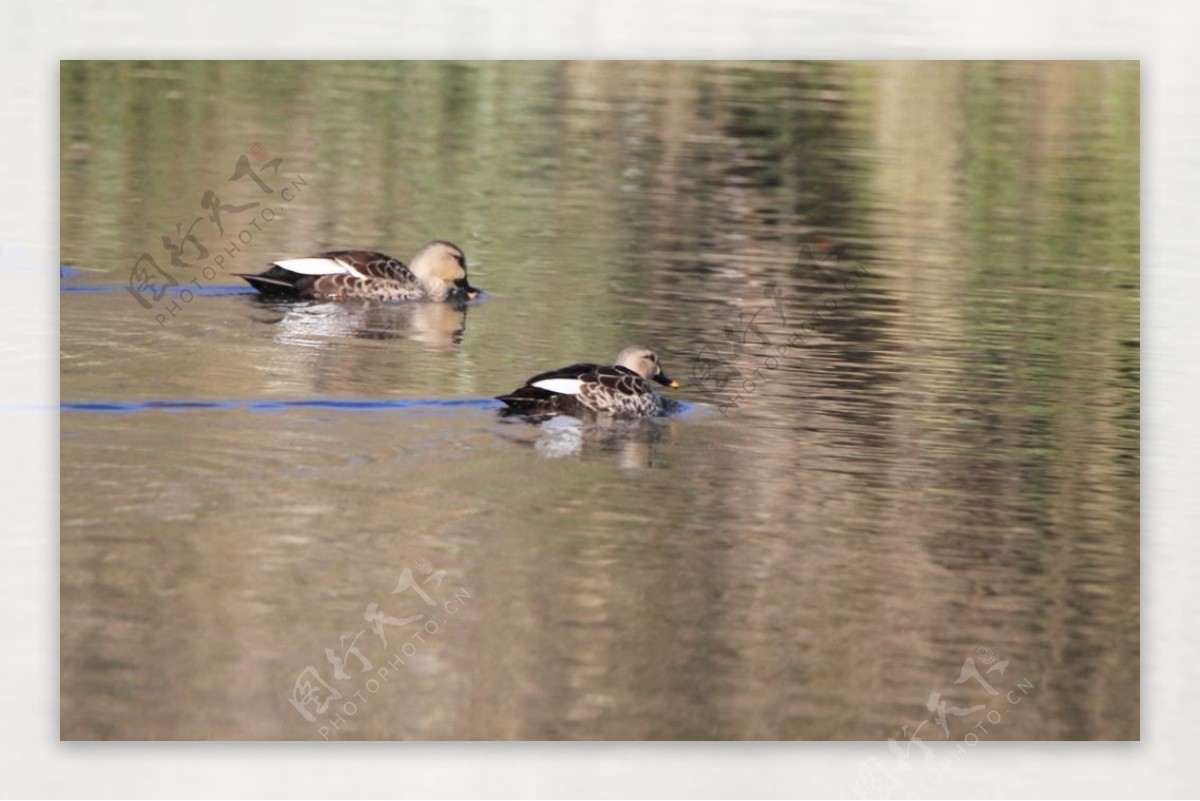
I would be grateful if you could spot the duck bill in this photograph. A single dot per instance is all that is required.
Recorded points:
(666, 380)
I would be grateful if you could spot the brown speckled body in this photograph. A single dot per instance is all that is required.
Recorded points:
(616, 390)
(386, 278)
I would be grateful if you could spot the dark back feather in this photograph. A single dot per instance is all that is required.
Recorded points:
(372, 264)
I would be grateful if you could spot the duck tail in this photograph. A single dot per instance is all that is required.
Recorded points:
(513, 401)
(273, 283)
(529, 398)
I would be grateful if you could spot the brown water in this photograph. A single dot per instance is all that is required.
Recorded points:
(933, 268)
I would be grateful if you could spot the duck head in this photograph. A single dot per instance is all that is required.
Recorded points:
(441, 267)
(644, 362)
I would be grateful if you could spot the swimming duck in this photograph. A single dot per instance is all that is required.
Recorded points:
(437, 272)
(622, 389)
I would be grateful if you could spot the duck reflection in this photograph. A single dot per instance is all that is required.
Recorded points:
(437, 326)
(634, 442)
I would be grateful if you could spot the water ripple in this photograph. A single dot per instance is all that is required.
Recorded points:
(315, 403)
(276, 406)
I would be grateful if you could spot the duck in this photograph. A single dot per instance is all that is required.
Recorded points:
(437, 272)
(622, 389)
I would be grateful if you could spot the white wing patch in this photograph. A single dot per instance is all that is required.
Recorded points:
(316, 267)
(563, 386)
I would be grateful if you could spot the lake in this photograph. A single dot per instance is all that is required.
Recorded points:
(901, 496)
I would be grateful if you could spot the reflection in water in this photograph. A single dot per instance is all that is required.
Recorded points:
(889, 475)
(436, 326)
(633, 441)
